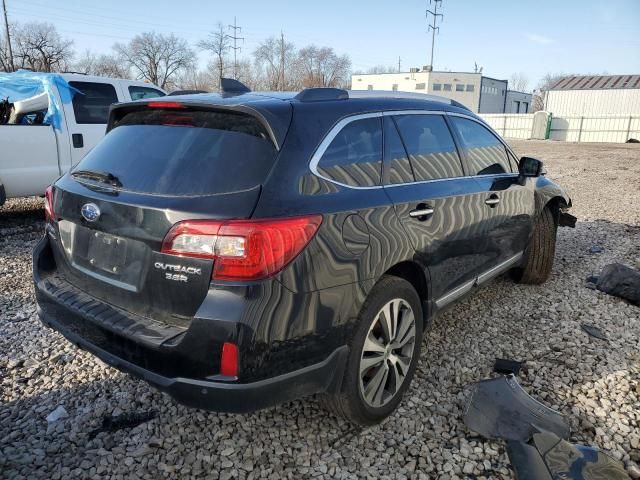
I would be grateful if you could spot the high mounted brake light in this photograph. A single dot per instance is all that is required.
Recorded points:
(243, 249)
(165, 105)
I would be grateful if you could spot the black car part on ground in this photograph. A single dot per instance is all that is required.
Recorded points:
(549, 457)
(506, 366)
(621, 281)
(500, 408)
(536, 435)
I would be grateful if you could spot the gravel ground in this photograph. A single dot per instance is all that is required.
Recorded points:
(595, 383)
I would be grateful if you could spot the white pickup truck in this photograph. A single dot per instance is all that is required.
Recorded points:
(33, 154)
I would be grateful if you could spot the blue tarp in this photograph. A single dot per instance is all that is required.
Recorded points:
(24, 84)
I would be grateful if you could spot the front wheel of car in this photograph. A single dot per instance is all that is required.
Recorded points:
(383, 354)
(538, 256)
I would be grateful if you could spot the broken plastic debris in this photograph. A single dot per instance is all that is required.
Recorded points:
(596, 249)
(58, 414)
(548, 457)
(621, 281)
(500, 408)
(506, 366)
(593, 331)
(126, 420)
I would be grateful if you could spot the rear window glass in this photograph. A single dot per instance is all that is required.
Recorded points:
(354, 157)
(139, 93)
(92, 101)
(183, 152)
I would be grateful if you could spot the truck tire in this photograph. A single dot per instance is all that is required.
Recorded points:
(383, 355)
(538, 256)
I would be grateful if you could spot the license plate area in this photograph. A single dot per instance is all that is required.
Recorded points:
(107, 252)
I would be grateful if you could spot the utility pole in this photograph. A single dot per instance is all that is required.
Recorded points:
(432, 27)
(235, 47)
(282, 60)
(399, 65)
(6, 26)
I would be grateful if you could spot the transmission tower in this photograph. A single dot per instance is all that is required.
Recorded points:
(432, 26)
(235, 47)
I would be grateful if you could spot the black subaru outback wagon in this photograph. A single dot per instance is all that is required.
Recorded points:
(243, 249)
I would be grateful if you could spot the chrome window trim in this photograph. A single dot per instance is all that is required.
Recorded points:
(326, 141)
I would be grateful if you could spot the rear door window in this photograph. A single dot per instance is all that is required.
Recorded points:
(430, 146)
(182, 152)
(92, 101)
(139, 93)
(354, 156)
(485, 154)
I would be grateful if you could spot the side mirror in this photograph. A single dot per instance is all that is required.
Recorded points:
(530, 167)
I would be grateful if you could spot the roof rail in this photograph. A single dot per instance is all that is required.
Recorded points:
(75, 73)
(231, 85)
(321, 93)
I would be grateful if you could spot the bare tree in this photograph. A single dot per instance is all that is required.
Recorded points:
(39, 47)
(321, 67)
(275, 59)
(5, 58)
(218, 44)
(101, 64)
(545, 83)
(156, 58)
(193, 79)
(382, 69)
(519, 82)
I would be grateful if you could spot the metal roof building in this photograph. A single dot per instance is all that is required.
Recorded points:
(593, 95)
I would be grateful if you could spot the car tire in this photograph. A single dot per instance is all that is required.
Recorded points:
(538, 256)
(377, 374)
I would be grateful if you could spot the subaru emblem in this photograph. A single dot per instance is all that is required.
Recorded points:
(90, 212)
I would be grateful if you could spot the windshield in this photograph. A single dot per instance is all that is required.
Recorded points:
(181, 152)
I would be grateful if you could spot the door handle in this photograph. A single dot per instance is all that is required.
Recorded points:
(492, 201)
(77, 140)
(421, 211)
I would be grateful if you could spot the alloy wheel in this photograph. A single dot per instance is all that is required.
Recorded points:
(387, 352)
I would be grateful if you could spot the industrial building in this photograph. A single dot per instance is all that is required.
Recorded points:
(517, 102)
(593, 95)
(479, 93)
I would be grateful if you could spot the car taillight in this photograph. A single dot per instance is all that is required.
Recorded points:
(229, 360)
(49, 214)
(243, 249)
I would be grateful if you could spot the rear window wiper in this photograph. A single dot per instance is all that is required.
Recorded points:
(102, 177)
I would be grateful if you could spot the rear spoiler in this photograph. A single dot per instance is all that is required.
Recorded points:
(275, 123)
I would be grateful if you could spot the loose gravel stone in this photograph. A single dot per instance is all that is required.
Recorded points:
(596, 384)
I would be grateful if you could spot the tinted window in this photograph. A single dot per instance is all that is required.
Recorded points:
(485, 153)
(92, 101)
(397, 163)
(447, 87)
(437, 87)
(184, 152)
(354, 157)
(459, 87)
(430, 146)
(138, 93)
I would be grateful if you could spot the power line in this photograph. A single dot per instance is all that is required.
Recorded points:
(235, 47)
(433, 27)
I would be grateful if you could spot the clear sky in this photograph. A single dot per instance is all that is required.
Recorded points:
(531, 36)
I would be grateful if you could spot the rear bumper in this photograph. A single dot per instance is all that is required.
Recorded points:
(220, 396)
(164, 357)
